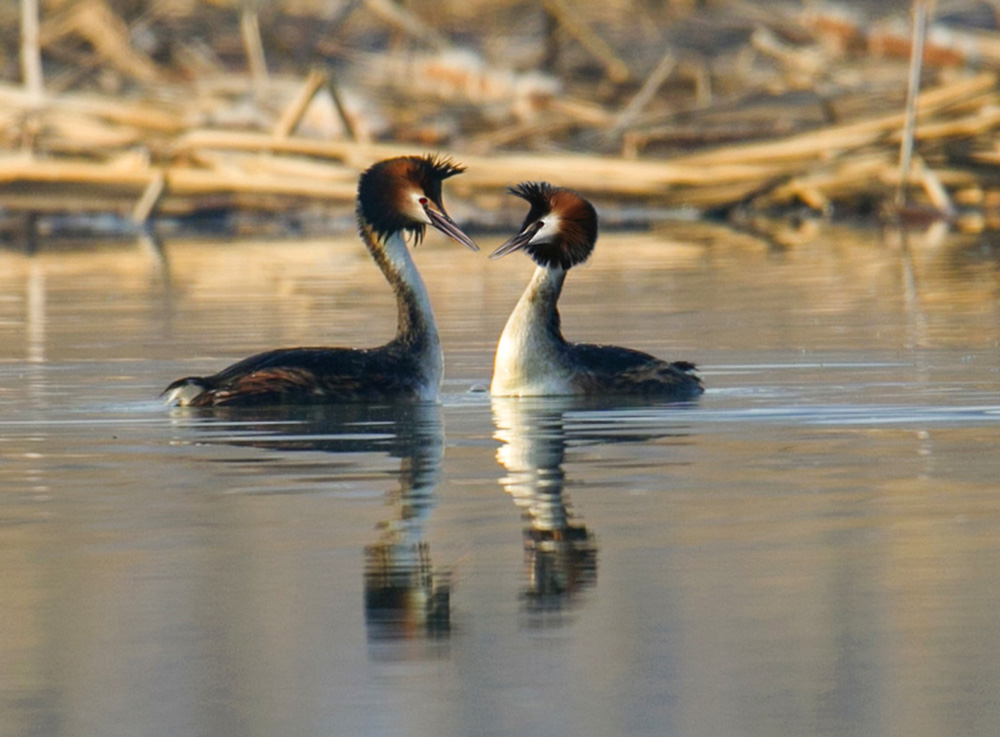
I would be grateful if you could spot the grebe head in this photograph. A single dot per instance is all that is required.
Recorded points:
(560, 230)
(404, 194)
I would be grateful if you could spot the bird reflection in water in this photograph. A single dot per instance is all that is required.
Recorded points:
(404, 596)
(560, 552)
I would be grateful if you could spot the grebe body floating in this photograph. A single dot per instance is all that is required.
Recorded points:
(533, 358)
(396, 197)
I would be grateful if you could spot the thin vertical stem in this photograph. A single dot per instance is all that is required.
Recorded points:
(254, 46)
(920, 14)
(31, 55)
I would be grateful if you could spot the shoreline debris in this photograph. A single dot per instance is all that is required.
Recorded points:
(733, 107)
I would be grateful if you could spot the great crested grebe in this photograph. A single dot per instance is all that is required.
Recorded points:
(395, 197)
(533, 358)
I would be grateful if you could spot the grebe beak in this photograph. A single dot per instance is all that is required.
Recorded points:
(519, 241)
(440, 220)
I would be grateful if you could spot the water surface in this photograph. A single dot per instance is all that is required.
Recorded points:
(810, 548)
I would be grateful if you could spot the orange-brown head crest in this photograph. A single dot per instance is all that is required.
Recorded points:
(560, 229)
(386, 189)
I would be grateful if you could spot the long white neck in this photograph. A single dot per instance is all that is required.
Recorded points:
(416, 328)
(529, 358)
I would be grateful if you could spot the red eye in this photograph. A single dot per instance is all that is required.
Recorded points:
(422, 200)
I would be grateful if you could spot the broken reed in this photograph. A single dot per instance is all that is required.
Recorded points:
(91, 153)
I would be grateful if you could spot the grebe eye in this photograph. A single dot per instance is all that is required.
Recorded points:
(422, 200)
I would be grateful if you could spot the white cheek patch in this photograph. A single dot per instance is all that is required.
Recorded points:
(417, 211)
(550, 226)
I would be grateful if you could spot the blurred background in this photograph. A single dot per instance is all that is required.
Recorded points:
(258, 115)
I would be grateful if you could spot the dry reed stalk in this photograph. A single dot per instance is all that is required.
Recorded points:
(350, 129)
(858, 172)
(609, 175)
(28, 169)
(646, 93)
(701, 137)
(188, 182)
(874, 173)
(31, 55)
(714, 196)
(588, 172)
(256, 164)
(580, 111)
(207, 138)
(982, 122)
(481, 145)
(403, 20)
(569, 19)
(69, 132)
(253, 45)
(989, 158)
(107, 33)
(180, 180)
(933, 188)
(274, 170)
(151, 116)
(920, 13)
(148, 116)
(823, 143)
(746, 167)
(150, 197)
(292, 115)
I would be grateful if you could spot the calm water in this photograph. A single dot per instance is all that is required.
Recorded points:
(813, 548)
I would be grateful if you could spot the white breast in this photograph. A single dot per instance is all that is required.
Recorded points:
(528, 362)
